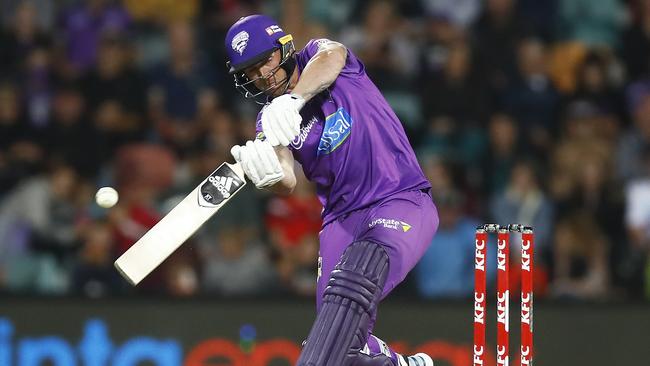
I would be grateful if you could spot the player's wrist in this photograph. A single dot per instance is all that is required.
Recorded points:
(298, 100)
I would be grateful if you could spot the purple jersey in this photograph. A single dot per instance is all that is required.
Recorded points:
(351, 143)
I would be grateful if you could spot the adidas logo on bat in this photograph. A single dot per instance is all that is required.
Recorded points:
(223, 184)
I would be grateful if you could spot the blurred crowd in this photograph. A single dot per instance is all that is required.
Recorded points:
(534, 112)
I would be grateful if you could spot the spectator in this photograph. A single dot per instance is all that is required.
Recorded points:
(162, 10)
(93, 274)
(455, 92)
(21, 39)
(85, 24)
(177, 87)
(523, 201)
(293, 223)
(141, 173)
(635, 50)
(38, 231)
(595, 86)
(633, 141)
(539, 16)
(593, 22)
(596, 192)
(46, 11)
(439, 35)
(580, 259)
(637, 222)
(460, 12)
(532, 98)
(115, 95)
(438, 172)
(446, 270)
(382, 45)
(181, 273)
(502, 152)
(235, 264)
(495, 38)
(70, 132)
(20, 155)
(589, 136)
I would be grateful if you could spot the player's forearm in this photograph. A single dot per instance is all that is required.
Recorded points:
(321, 71)
(285, 186)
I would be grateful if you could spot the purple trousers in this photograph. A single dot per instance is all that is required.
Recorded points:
(403, 223)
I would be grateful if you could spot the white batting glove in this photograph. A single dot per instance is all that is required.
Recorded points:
(281, 119)
(259, 162)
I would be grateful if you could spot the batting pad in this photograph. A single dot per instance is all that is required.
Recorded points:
(349, 301)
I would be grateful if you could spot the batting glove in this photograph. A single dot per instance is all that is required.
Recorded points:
(259, 162)
(281, 119)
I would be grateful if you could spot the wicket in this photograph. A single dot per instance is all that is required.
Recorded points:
(503, 293)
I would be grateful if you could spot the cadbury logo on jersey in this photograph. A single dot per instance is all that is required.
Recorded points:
(304, 132)
(338, 127)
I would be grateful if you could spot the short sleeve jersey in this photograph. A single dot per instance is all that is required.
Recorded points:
(351, 143)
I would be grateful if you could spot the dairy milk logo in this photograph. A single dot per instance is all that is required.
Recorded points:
(240, 41)
(304, 132)
(391, 224)
(337, 129)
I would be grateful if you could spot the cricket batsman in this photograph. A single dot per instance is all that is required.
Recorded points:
(321, 109)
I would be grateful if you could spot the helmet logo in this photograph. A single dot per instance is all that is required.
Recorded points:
(273, 29)
(240, 41)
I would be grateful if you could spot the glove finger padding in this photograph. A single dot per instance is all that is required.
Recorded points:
(255, 159)
(248, 167)
(235, 151)
(278, 128)
(291, 127)
(277, 167)
(259, 162)
(269, 133)
(267, 157)
(281, 119)
(242, 156)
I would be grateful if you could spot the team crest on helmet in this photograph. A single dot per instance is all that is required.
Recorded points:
(240, 41)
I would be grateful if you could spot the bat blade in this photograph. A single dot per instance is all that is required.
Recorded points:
(180, 223)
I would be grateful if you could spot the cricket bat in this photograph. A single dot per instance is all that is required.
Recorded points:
(180, 223)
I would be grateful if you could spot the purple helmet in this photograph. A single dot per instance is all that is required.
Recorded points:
(252, 39)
